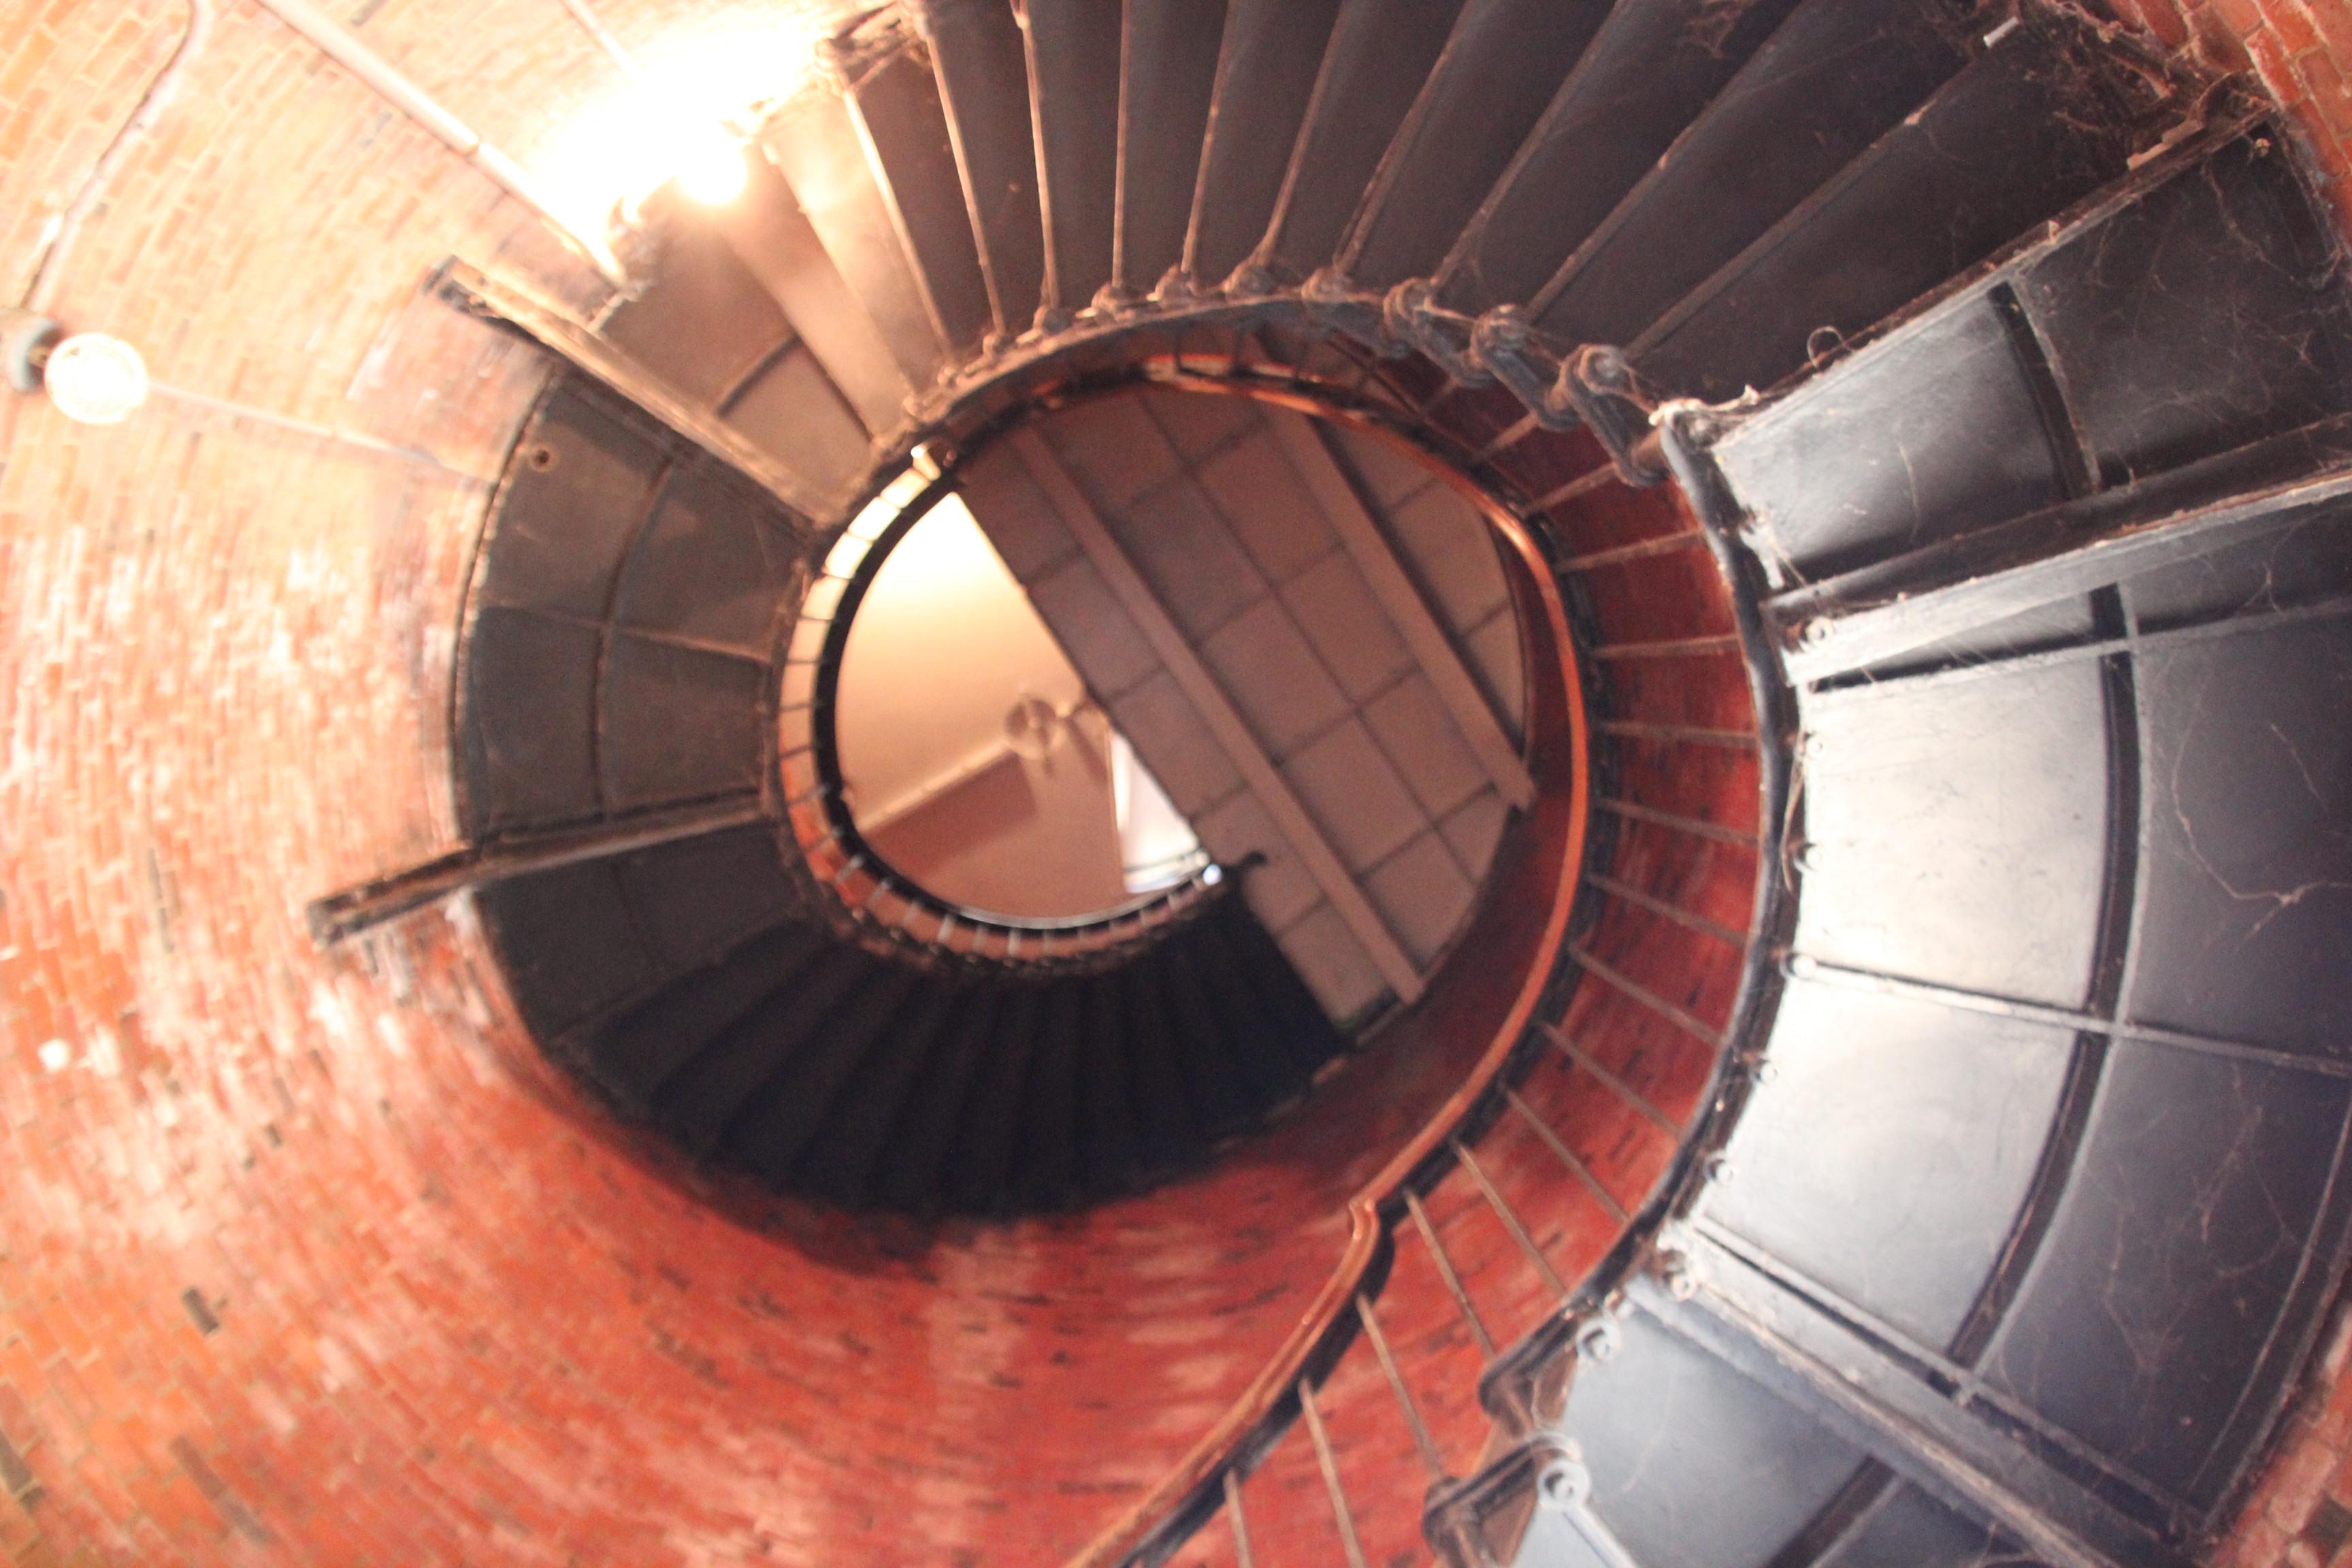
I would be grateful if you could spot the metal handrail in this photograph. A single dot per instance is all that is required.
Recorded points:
(808, 692)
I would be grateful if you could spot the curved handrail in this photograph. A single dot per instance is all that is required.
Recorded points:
(1376, 1208)
(1156, 1523)
(862, 879)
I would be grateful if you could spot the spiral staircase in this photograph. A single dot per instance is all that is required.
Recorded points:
(1884, 1101)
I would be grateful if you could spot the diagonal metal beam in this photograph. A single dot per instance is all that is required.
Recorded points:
(1208, 699)
(354, 909)
(1856, 1389)
(1875, 612)
(573, 341)
(1805, 966)
(1305, 443)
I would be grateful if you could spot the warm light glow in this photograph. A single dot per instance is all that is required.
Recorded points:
(673, 120)
(715, 173)
(95, 379)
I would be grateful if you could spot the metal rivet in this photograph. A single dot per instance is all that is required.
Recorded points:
(1564, 1485)
(1597, 1341)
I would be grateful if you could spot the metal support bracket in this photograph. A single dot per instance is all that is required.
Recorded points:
(1411, 316)
(508, 304)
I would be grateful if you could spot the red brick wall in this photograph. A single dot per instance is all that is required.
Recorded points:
(2299, 49)
(304, 1258)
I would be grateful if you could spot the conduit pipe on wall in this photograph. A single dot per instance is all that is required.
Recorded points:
(160, 91)
(340, 45)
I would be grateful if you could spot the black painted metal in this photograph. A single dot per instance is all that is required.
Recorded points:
(1380, 54)
(1266, 69)
(980, 61)
(1073, 94)
(2019, 1198)
(1168, 73)
(894, 98)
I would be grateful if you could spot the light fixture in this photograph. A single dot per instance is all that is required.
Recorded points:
(91, 377)
(714, 172)
(95, 379)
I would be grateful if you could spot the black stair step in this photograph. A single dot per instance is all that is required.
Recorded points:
(921, 1143)
(840, 1160)
(975, 1176)
(709, 325)
(1293, 1041)
(896, 98)
(1272, 53)
(704, 1096)
(2027, 129)
(2208, 314)
(773, 237)
(1228, 1087)
(1836, 76)
(631, 1055)
(1647, 75)
(1231, 1036)
(1168, 1124)
(982, 69)
(1044, 1168)
(1108, 1151)
(772, 1128)
(1306, 1035)
(813, 143)
(1168, 73)
(1074, 88)
(1500, 67)
(1379, 55)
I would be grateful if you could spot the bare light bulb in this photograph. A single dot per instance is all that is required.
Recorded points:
(95, 379)
(714, 171)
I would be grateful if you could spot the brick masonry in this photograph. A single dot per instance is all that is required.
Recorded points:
(306, 1258)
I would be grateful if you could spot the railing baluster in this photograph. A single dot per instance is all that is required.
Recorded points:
(1421, 1437)
(1241, 1524)
(1347, 1521)
(1510, 1219)
(1697, 828)
(1610, 1080)
(1584, 484)
(1640, 549)
(1679, 734)
(1672, 647)
(1445, 1272)
(1674, 913)
(1680, 1017)
(1567, 1157)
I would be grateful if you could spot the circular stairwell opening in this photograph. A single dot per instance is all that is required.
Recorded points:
(1158, 636)
(973, 757)
(1343, 663)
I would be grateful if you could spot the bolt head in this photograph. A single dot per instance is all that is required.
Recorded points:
(1563, 1485)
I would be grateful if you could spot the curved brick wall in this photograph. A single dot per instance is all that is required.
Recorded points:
(306, 1259)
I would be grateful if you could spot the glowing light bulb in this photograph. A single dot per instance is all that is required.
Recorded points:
(714, 172)
(670, 119)
(95, 379)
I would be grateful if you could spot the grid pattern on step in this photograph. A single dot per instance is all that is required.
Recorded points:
(1199, 494)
